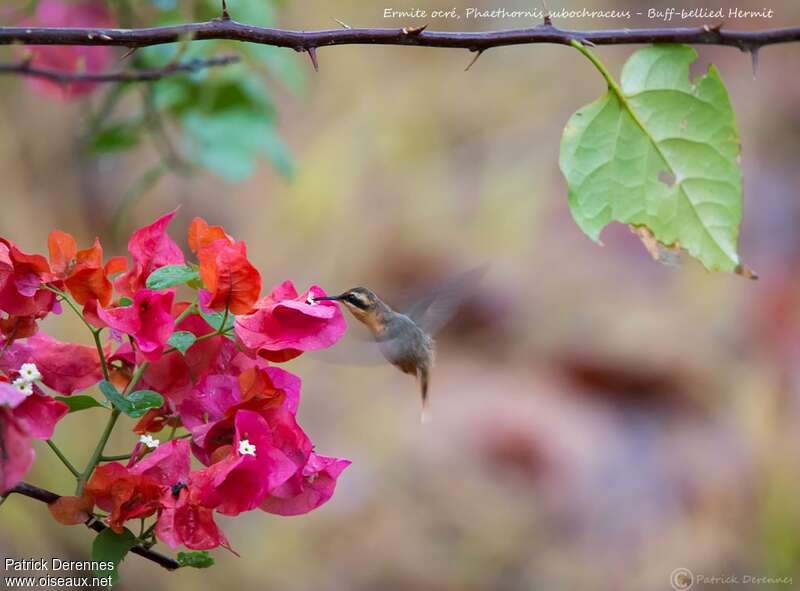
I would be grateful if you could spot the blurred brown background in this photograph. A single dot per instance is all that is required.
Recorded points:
(599, 419)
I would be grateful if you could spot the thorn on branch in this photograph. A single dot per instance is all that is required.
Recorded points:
(478, 53)
(128, 53)
(312, 53)
(548, 22)
(225, 15)
(754, 60)
(414, 31)
(714, 28)
(344, 25)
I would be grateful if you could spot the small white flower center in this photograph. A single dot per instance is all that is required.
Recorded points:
(23, 386)
(246, 448)
(149, 441)
(29, 372)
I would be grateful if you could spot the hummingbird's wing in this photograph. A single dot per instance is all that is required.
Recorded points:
(435, 309)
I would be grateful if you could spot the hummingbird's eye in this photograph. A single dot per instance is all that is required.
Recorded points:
(357, 300)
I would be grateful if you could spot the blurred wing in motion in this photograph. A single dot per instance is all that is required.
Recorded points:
(434, 310)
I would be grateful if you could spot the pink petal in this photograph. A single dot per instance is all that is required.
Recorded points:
(38, 414)
(307, 490)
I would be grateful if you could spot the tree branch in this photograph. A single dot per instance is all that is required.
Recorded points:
(46, 496)
(473, 41)
(26, 69)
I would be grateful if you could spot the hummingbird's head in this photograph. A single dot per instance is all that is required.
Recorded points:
(362, 303)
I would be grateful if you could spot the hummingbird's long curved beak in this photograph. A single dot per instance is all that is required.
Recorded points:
(332, 298)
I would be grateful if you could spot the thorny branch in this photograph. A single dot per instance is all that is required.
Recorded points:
(46, 496)
(225, 28)
(26, 69)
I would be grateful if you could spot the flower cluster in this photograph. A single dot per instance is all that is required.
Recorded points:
(198, 371)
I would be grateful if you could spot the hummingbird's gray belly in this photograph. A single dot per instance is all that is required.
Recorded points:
(405, 345)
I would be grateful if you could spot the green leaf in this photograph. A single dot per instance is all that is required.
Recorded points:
(76, 403)
(111, 547)
(136, 404)
(116, 137)
(125, 301)
(214, 320)
(195, 559)
(182, 340)
(143, 400)
(171, 275)
(660, 153)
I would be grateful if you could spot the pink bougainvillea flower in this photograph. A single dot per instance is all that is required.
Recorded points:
(124, 494)
(22, 419)
(148, 320)
(309, 488)
(184, 521)
(210, 409)
(21, 278)
(62, 13)
(150, 248)
(82, 271)
(284, 324)
(17, 327)
(252, 468)
(231, 280)
(168, 465)
(65, 367)
(132, 493)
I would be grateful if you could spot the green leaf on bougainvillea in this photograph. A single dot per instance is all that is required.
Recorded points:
(195, 559)
(659, 152)
(76, 403)
(135, 404)
(109, 547)
(182, 340)
(170, 276)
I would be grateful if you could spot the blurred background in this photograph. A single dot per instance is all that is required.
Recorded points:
(599, 420)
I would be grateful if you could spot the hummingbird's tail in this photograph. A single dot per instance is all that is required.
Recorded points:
(422, 375)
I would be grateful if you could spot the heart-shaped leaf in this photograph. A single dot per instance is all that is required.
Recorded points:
(182, 340)
(659, 152)
(136, 404)
(170, 276)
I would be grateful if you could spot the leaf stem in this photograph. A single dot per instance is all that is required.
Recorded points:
(63, 459)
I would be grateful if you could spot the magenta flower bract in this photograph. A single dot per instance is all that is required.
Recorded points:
(284, 324)
(150, 248)
(240, 482)
(148, 320)
(309, 488)
(31, 417)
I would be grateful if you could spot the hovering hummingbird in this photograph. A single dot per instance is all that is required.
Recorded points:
(405, 338)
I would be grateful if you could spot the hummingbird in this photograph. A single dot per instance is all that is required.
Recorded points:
(405, 338)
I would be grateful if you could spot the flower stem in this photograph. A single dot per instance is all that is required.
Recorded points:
(112, 420)
(65, 297)
(99, 345)
(63, 459)
(98, 451)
